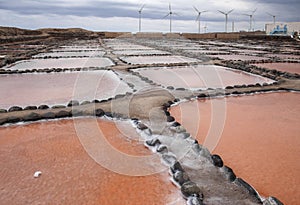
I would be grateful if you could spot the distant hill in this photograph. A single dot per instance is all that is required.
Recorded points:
(12, 34)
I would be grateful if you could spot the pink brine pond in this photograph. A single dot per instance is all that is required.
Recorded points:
(58, 88)
(201, 76)
(60, 63)
(285, 67)
(257, 136)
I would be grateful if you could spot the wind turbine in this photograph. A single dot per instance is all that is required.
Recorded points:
(274, 17)
(205, 28)
(251, 18)
(199, 18)
(226, 17)
(140, 17)
(171, 13)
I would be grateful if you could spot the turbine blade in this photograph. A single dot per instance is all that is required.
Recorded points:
(222, 12)
(141, 9)
(254, 11)
(196, 9)
(176, 14)
(204, 11)
(230, 11)
(197, 17)
(170, 8)
(166, 15)
(269, 14)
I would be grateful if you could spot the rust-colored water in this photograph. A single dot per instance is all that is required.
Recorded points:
(285, 67)
(201, 76)
(69, 175)
(238, 57)
(260, 139)
(58, 88)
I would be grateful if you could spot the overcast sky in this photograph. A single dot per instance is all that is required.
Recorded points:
(122, 15)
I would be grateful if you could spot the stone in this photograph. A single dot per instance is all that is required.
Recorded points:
(170, 119)
(180, 177)
(43, 107)
(14, 109)
(176, 167)
(217, 160)
(185, 135)
(202, 95)
(76, 113)
(99, 112)
(153, 142)
(272, 201)
(32, 117)
(3, 121)
(176, 124)
(230, 175)
(13, 119)
(119, 96)
(97, 101)
(62, 114)
(85, 102)
(162, 149)
(190, 188)
(142, 126)
(3, 111)
(48, 115)
(249, 188)
(194, 200)
(58, 107)
(168, 158)
(170, 88)
(167, 113)
(30, 108)
(197, 148)
(73, 103)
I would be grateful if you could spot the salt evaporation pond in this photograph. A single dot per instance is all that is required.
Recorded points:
(58, 88)
(143, 60)
(69, 174)
(140, 52)
(259, 140)
(239, 57)
(285, 67)
(77, 48)
(201, 76)
(73, 54)
(60, 63)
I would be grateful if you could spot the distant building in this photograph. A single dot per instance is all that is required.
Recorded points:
(283, 28)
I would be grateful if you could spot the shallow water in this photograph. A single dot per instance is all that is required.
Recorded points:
(140, 52)
(285, 67)
(142, 60)
(69, 174)
(60, 63)
(201, 76)
(239, 57)
(259, 140)
(58, 88)
(71, 54)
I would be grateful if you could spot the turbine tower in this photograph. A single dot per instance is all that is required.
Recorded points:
(226, 17)
(274, 17)
(171, 13)
(199, 18)
(140, 17)
(251, 18)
